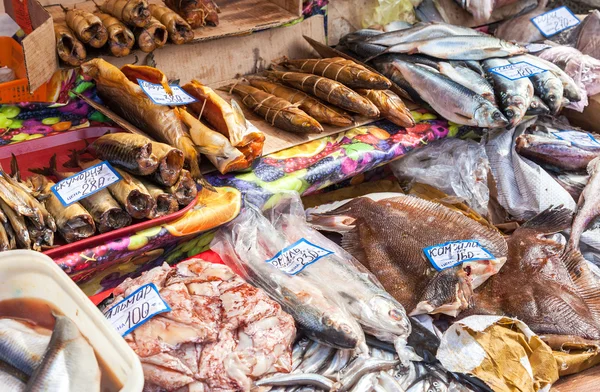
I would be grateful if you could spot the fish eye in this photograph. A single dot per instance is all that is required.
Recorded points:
(497, 115)
(396, 314)
(327, 321)
(509, 113)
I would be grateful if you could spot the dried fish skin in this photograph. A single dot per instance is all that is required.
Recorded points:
(329, 90)
(179, 30)
(69, 48)
(131, 12)
(120, 38)
(276, 111)
(87, 27)
(347, 72)
(313, 107)
(153, 35)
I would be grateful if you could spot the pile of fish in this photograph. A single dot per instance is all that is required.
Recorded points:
(562, 150)
(320, 91)
(317, 367)
(220, 335)
(453, 69)
(231, 145)
(33, 358)
(119, 24)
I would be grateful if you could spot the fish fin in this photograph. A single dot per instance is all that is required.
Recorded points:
(585, 282)
(550, 221)
(46, 171)
(449, 292)
(352, 244)
(14, 167)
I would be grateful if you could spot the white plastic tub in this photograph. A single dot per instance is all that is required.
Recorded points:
(30, 274)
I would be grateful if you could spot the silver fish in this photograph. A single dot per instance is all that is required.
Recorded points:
(21, 346)
(573, 183)
(313, 379)
(468, 78)
(571, 91)
(422, 32)
(10, 383)
(537, 107)
(340, 359)
(389, 383)
(452, 100)
(460, 47)
(514, 95)
(315, 362)
(547, 86)
(358, 368)
(69, 362)
(366, 383)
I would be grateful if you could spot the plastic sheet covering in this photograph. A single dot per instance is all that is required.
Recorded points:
(584, 69)
(457, 167)
(387, 11)
(524, 188)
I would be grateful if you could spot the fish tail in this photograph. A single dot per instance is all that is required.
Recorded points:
(197, 175)
(552, 220)
(14, 168)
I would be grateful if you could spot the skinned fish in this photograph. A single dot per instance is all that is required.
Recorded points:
(393, 249)
(452, 100)
(460, 47)
(514, 96)
(69, 362)
(546, 286)
(555, 153)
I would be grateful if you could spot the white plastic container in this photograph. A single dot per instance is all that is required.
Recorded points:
(30, 274)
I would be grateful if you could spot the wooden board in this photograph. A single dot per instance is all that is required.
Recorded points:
(237, 16)
(344, 17)
(586, 381)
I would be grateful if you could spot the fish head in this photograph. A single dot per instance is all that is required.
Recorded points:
(515, 110)
(553, 94)
(489, 116)
(388, 319)
(338, 330)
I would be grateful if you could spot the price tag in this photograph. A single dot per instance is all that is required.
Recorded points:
(158, 94)
(297, 256)
(137, 308)
(452, 253)
(534, 48)
(518, 70)
(555, 21)
(85, 183)
(579, 139)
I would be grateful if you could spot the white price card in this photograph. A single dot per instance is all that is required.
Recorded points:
(534, 48)
(577, 138)
(158, 94)
(555, 21)
(297, 256)
(518, 70)
(85, 183)
(137, 308)
(452, 253)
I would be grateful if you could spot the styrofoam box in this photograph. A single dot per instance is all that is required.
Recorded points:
(30, 274)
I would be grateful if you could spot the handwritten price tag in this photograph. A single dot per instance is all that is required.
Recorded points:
(137, 308)
(518, 70)
(297, 256)
(555, 21)
(449, 254)
(578, 139)
(85, 183)
(159, 96)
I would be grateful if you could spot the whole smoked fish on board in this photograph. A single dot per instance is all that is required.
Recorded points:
(196, 12)
(179, 30)
(131, 12)
(153, 35)
(69, 48)
(87, 27)
(120, 38)
(130, 101)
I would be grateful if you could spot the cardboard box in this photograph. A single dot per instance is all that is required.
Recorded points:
(237, 17)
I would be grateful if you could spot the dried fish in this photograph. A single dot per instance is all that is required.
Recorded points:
(328, 90)
(120, 38)
(196, 12)
(153, 35)
(128, 151)
(184, 189)
(87, 27)
(316, 109)
(17, 222)
(69, 48)
(179, 30)
(390, 106)
(276, 111)
(170, 163)
(166, 203)
(131, 12)
(339, 69)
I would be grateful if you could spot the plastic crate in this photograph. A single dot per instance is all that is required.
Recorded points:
(11, 55)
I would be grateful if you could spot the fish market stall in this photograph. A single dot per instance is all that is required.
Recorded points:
(305, 196)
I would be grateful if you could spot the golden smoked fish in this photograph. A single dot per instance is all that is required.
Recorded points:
(120, 38)
(179, 30)
(131, 12)
(69, 48)
(390, 106)
(87, 27)
(153, 35)
(170, 163)
(129, 101)
(128, 151)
